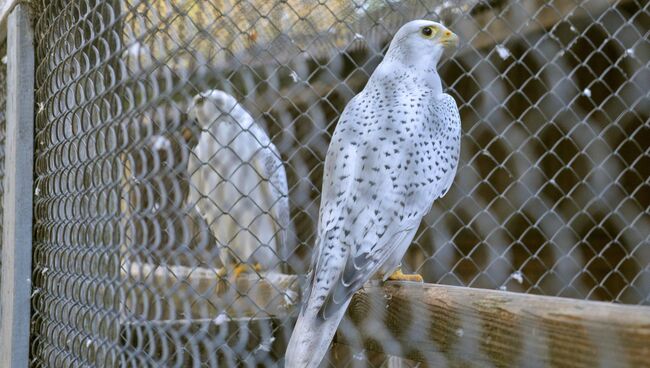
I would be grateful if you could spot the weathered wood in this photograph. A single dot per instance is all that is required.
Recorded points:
(17, 200)
(516, 19)
(474, 327)
(179, 292)
(436, 324)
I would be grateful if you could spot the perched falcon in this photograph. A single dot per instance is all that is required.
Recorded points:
(238, 184)
(394, 151)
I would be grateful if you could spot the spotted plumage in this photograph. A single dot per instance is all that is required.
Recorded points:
(394, 151)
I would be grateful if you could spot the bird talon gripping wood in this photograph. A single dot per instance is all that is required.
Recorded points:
(394, 151)
(239, 269)
(399, 276)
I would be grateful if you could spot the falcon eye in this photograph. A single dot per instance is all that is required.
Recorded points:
(427, 31)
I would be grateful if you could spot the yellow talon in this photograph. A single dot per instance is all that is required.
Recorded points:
(243, 268)
(257, 267)
(239, 269)
(399, 276)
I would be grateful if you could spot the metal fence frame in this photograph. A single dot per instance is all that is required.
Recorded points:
(17, 201)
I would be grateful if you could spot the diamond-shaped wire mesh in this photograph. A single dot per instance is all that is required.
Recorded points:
(168, 238)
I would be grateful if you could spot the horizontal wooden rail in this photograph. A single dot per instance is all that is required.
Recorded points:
(444, 325)
(519, 18)
(438, 324)
(164, 293)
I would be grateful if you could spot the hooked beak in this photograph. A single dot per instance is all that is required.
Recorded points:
(449, 39)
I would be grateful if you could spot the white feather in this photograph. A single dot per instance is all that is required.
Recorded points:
(394, 151)
(238, 182)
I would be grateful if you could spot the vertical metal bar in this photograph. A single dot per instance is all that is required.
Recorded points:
(17, 203)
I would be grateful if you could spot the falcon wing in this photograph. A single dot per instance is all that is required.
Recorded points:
(373, 231)
(373, 217)
(194, 174)
(450, 111)
(277, 190)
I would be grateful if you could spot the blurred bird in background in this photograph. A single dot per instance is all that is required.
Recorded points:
(238, 184)
(394, 151)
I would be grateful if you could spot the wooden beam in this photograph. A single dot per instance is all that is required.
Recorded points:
(474, 327)
(436, 324)
(517, 19)
(15, 285)
(166, 293)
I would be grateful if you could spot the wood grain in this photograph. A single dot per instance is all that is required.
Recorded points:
(179, 292)
(434, 324)
(474, 327)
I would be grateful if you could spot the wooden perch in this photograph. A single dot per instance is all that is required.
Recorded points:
(436, 324)
(446, 325)
(178, 292)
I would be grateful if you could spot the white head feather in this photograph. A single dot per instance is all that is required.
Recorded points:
(420, 38)
(418, 45)
(215, 105)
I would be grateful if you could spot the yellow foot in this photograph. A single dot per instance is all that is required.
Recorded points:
(187, 134)
(243, 267)
(399, 276)
(239, 269)
(257, 267)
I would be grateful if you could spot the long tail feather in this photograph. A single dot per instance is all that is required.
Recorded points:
(311, 337)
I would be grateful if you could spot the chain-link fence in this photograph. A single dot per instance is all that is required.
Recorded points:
(168, 238)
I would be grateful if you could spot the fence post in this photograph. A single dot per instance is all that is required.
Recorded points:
(17, 201)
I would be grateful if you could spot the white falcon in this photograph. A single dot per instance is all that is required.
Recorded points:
(238, 184)
(394, 151)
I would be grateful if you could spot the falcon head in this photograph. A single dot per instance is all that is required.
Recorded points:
(210, 106)
(421, 39)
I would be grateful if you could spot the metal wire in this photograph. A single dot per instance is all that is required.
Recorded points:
(131, 269)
